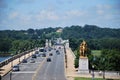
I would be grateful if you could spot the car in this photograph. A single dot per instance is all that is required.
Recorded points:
(48, 59)
(57, 51)
(36, 52)
(32, 60)
(16, 68)
(38, 55)
(59, 47)
(45, 50)
(41, 50)
(24, 61)
(50, 54)
(34, 56)
(44, 55)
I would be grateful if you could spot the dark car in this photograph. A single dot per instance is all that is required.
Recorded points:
(44, 55)
(16, 68)
(34, 56)
(57, 51)
(36, 52)
(59, 47)
(41, 50)
(48, 59)
(24, 61)
(38, 55)
(50, 54)
(32, 60)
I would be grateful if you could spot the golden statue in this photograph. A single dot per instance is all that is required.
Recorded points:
(83, 49)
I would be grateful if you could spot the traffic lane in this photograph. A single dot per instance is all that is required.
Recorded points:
(26, 72)
(31, 66)
(37, 59)
(24, 68)
(60, 73)
(49, 73)
(44, 69)
(43, 72)
(53, 70)
(22, 76)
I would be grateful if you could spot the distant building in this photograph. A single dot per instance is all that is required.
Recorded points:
(46, 43)
(59, 30)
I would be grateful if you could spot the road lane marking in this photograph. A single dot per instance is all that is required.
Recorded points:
(24, 72)
(46, 70)
(39, 67)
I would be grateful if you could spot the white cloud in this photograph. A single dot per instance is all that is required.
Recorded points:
(105, 6)
(100, 12)
(47, 15)
(13, 15)
(102, 9)
(108, 17)
(26, 17)
(74, 13)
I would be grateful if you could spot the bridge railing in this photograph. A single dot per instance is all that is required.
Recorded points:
(5, 62)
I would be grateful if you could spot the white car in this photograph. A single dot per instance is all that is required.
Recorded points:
(16, 68)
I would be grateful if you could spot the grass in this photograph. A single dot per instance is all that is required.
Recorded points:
(81, 78)
(96, 52)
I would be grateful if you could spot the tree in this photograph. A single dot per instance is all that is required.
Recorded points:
(5, 45)
(30, 31)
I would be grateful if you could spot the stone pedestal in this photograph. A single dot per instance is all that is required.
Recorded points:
(83, 65)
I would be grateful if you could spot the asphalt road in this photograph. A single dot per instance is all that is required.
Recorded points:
(27, 70)
(53, 70)
(41, 69)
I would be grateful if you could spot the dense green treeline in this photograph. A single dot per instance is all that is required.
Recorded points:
(109, 60)
(97, 44)
(96, 37)
(90, 32)
(28, 34)
(12, 46)
(74, 32)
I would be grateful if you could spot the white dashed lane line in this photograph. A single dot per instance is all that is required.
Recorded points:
(24, 72)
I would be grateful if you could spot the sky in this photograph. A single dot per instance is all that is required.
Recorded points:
(37, 14)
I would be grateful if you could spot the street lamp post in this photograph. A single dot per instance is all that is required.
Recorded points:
(103, 68)
(93, 75)
(93, 72)
(10, 75)
(24, 54)
(19, 55)
(12, 61)
(0, 77)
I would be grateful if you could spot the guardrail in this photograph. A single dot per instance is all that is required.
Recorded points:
(5, 62)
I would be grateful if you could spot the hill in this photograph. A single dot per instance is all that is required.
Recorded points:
(96, 37)
(90, 32)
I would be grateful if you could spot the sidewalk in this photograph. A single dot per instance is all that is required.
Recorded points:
(70, 70)
(8, 67)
